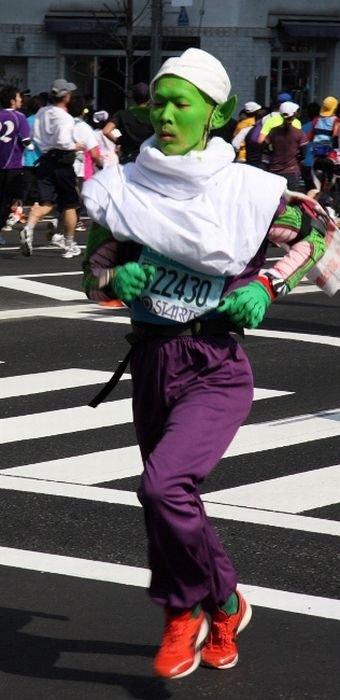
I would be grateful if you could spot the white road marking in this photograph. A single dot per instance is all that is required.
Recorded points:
(95, 467)
(128, 498)
(93, 312)
(300, 337)
(91, 468)
(287, 521)
(260, 394)
(67, 420)
(85, 311)
(286, 601)
(49, 274)
(26, 384)
(41, 289)
(294, 493)
(271, 435)
(47, 423)
(39, 382)
(78, 491)
(39, 247)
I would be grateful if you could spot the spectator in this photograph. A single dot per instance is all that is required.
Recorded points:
(239, 140)
(286, 142)
(324, 128)
(53, 133)
(84, 134)
(313, 110)
(14, 138)
(134, 129)
(107, 148)
(89, 109)
(255, 152)
(275, 118)
(44, 98)
(31, 157)
(85, 160)
(337, 128)
(246, 121)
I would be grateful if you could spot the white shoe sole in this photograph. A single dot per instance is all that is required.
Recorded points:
(67, 255)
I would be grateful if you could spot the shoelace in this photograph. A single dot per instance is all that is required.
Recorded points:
(222, 633)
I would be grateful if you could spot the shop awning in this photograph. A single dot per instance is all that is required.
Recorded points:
(83, 23)
(316, 30)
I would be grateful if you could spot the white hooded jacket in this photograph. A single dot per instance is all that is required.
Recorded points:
(200, 209)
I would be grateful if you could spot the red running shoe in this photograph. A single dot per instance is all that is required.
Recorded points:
(179, 653)
(220, 650)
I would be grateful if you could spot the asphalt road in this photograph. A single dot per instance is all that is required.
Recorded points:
(76, 621)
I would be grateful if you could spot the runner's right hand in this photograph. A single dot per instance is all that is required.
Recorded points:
(130, 279)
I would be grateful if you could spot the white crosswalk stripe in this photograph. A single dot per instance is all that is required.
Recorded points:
(274, 503)
(287, 494)
(79, 418)
(43, 289)
(291, 494)
(26, 384)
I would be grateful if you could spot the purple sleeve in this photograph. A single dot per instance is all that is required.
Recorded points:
(24, 130)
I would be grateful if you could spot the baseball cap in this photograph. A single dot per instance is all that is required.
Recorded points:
(284, 97)
(328, 107)
(288, 109)
(61, 87)
(100, 116)
(251, 107)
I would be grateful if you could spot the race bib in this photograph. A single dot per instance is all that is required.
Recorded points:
(176, 292)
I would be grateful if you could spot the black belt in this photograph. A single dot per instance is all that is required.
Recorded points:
(195, 328)
(140, 331)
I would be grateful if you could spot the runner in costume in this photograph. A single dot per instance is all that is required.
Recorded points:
(181, 237)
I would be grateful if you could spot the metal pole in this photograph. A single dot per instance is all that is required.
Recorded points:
(129, 53)
(156, 36)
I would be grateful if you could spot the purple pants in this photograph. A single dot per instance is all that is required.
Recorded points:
(190, 396)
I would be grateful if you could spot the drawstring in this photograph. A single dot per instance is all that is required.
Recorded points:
(110, 385)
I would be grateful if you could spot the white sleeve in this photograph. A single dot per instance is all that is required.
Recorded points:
(85, 135)
(98, 203)
(239, 138)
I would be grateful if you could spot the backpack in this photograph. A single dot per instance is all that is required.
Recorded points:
(323, 136)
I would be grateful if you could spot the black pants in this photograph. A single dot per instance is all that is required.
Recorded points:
(30, 193)
(57, 180)
(11, 189)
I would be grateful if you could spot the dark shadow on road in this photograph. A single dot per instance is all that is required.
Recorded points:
(25, 654)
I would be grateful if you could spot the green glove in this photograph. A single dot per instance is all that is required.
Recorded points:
(247, 305)
(130, 279)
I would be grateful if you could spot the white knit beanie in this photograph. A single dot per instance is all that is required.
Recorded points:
(201, 69)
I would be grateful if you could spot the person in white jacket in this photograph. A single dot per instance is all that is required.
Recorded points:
(181, 237)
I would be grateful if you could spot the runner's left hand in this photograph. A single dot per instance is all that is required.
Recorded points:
(247, 305)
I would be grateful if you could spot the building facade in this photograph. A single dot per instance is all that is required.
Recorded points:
(266, 47)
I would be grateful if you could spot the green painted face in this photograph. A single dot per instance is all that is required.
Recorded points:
(180, 115)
